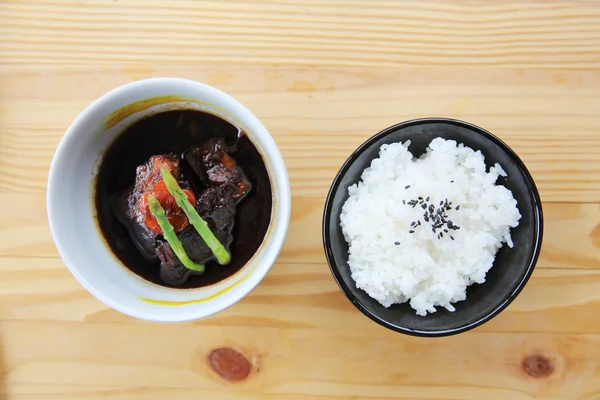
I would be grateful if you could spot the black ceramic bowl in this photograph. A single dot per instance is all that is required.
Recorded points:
(512, 266)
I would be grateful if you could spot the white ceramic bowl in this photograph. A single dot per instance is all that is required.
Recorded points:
(72, 213)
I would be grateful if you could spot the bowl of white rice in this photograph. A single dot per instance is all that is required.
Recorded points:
(432, 227)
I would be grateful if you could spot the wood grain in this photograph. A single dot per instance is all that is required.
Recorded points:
(323, 76)
(319, 361)
(298, 296)
(545, 34)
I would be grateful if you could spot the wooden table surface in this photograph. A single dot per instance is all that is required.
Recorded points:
(323, 76)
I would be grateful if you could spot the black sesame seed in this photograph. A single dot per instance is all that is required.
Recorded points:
(406, 187)
(426, 218)
(451, 237)
(413, 223)
(420, 198)
(396, 243)
(421, 202)
(411, 231)
(441, 234)
(450, 203)
(418, 223)
(451, 181)
(441, 202)
(403, 201)
(446, 230)
(427, 199)
(424, 206)
(457, 207)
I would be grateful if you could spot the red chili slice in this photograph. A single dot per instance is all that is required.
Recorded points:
(175, 215)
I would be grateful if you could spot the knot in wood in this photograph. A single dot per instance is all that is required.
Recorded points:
(538, 366)
(229, 364)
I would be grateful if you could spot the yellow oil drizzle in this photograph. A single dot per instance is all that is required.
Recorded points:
(195, 301)
(120, 114)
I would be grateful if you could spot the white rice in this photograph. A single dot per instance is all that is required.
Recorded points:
(423, 268)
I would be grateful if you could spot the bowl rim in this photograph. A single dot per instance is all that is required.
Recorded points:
(538, 219)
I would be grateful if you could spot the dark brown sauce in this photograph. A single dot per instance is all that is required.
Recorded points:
(174, 132)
